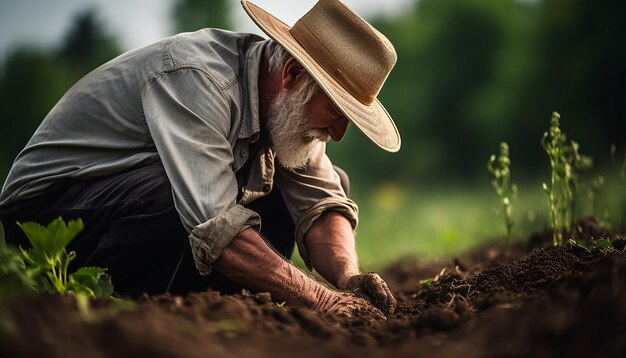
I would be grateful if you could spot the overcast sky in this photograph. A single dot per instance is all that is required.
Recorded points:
(140, 22)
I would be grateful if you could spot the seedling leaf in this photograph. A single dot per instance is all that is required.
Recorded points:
(36, 234)
(580, 246)
(13, 270)
(603, 243)
(92, 281)
(51, 240)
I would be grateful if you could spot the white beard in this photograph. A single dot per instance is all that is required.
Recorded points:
(288, 125)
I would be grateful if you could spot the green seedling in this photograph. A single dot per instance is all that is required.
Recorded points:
(594, 244)
(565, 162)
(427, 282)
(43, 267)
(499, 167)
(430, 281)
(621, 167)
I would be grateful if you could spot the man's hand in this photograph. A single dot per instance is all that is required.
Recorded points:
(345, 304)
(373, 287)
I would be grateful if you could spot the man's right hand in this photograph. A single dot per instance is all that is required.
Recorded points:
(345, 304)
(372, 286)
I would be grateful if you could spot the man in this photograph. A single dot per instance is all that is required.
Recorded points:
(201, 137)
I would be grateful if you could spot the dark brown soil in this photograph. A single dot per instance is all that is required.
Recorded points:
(529, 301)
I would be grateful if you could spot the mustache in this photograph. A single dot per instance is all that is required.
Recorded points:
(316, 134)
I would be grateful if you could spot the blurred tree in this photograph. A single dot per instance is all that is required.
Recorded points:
(192, 15)
(447, 51)
(581, 70)
(471, 74)
(32, 80)
(87, 45)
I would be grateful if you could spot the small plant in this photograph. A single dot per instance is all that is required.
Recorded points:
(565, 162)
(499, 167)
(43, 268)
(427, 282)
(621, 167)
(612, 244)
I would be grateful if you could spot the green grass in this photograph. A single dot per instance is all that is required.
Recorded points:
(438, 223)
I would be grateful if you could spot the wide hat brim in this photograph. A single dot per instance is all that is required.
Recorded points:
(372, 120)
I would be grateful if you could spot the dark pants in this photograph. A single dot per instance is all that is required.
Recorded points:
(133, 230)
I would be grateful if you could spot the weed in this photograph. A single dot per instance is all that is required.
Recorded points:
(565, 162)
(43, 268)
(499, 167)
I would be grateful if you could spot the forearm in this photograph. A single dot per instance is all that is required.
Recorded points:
(331, 246)
(249, 261)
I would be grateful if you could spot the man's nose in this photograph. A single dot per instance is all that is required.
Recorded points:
(338, 128)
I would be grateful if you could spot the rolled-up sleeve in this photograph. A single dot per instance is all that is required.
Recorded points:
(311, 191)
(209, 239)
(189, 119)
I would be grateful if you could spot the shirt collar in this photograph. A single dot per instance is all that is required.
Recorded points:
(251, 127)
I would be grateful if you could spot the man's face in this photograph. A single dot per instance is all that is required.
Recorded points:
(325, 115)
(296, 126)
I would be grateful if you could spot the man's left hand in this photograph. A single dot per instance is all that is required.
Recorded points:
(373, 287)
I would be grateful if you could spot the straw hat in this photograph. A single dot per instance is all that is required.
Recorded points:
(346, 56)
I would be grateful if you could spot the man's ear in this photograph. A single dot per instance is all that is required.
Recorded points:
(292, 73)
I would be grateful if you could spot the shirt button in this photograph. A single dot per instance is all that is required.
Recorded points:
(244, 153)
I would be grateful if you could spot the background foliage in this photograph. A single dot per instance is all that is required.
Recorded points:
(473, 73)
(470, 74)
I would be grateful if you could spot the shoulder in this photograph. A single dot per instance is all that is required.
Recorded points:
(218, 53)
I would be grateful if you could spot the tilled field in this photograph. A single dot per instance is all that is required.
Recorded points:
(533, 300)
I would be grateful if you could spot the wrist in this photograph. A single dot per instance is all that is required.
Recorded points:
(342, 280)
(301, 290)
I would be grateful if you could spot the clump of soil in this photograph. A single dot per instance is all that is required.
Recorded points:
(551, 301)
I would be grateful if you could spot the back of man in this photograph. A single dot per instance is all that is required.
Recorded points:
(98, 128)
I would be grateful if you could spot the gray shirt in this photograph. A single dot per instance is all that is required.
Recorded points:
(190, 102)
